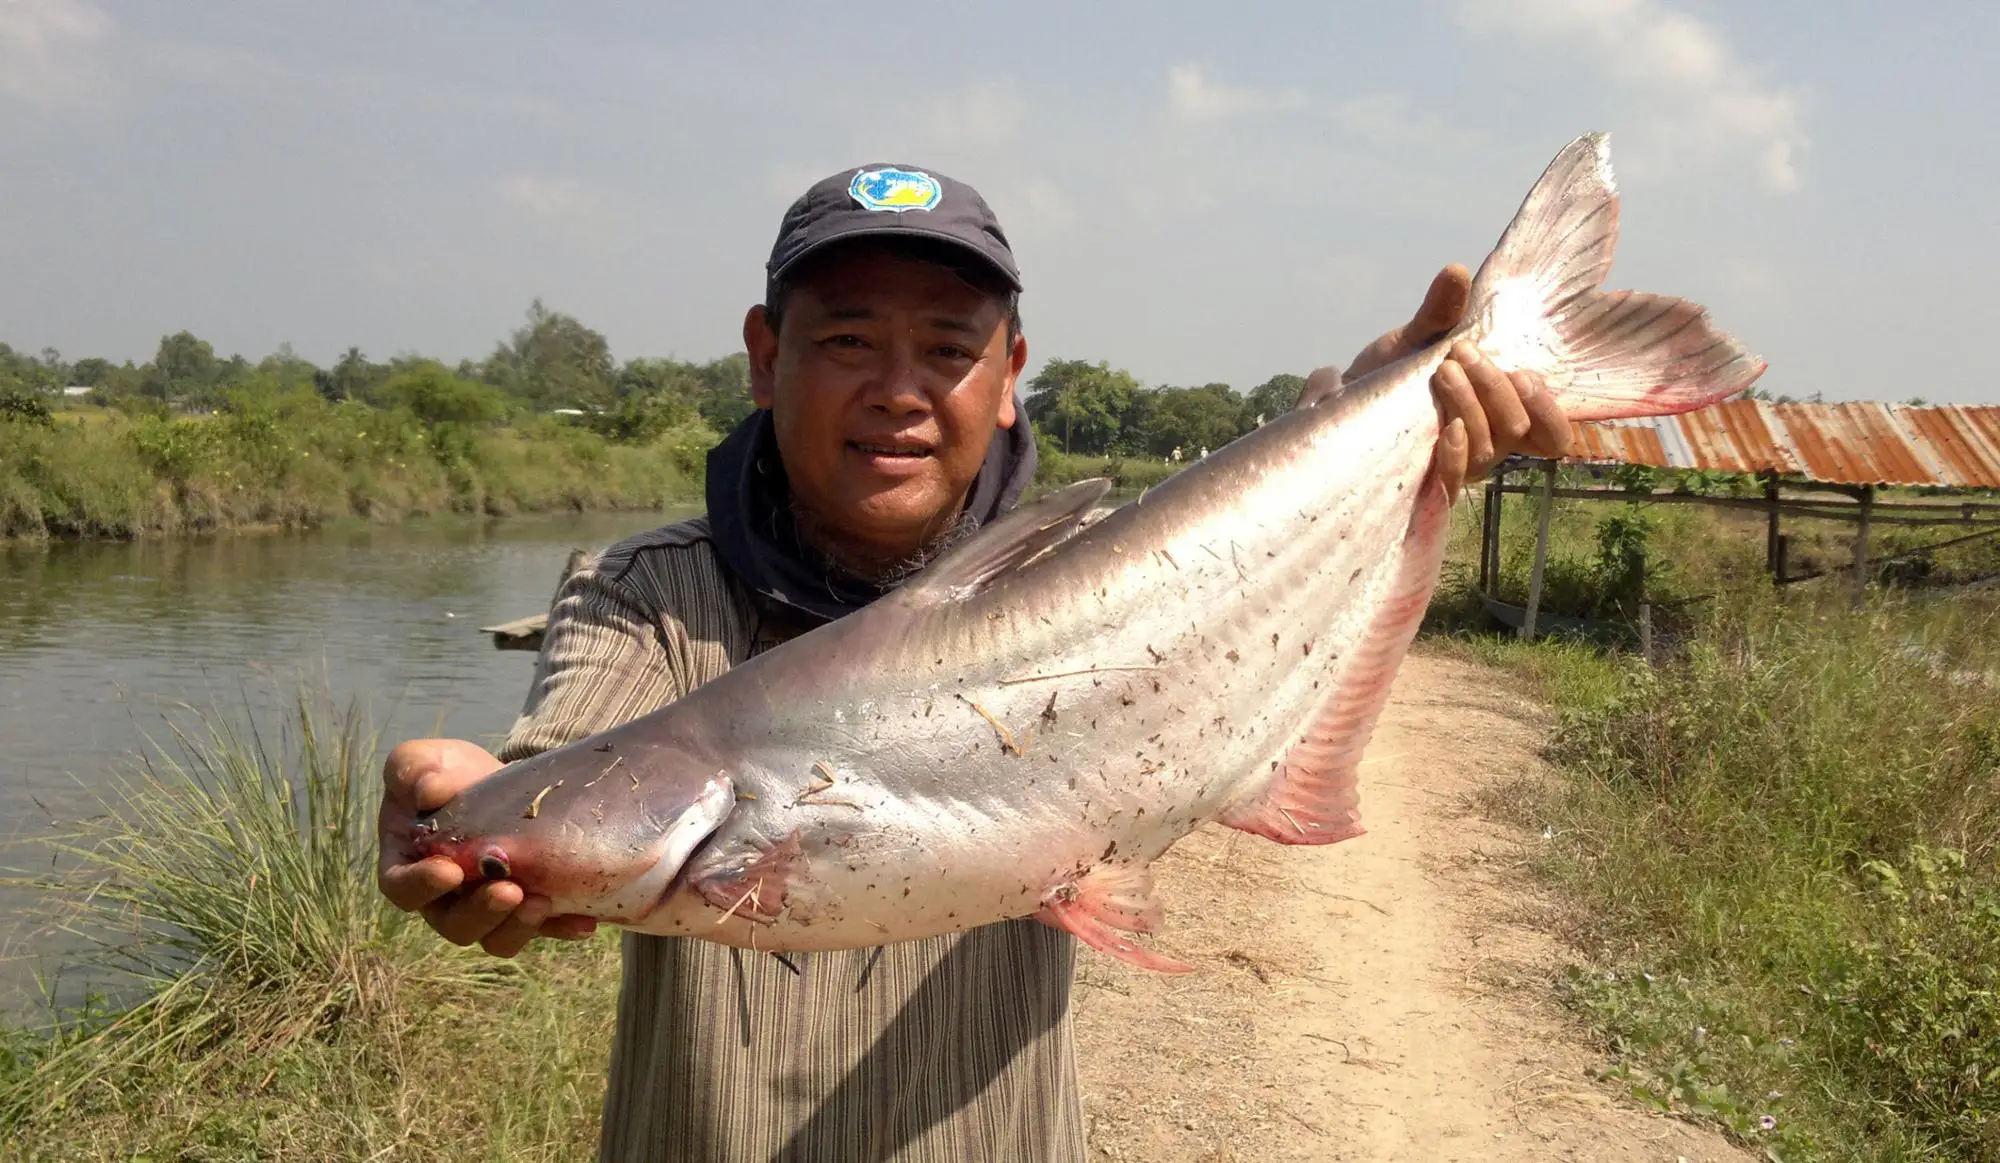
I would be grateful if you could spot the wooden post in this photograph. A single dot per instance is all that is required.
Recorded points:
(1541, 551)
(1646, 632)
(1771, 536)
(1867, 498)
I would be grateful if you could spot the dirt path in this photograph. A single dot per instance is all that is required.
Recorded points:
(1384, 999)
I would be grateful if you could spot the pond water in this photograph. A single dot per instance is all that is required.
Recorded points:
(102, 645)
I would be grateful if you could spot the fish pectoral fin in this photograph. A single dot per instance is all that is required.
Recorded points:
(1314, 796)
(1004, 545)
(755, 891)
(1104, 904)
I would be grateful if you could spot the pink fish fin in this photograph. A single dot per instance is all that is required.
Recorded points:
(756, 891)
(1536, 306)
(1104, 904)
(1313, 797)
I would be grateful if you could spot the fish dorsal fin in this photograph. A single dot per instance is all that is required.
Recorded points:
(1005, 544)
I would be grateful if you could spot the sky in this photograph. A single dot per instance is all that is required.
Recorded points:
(1196, 192)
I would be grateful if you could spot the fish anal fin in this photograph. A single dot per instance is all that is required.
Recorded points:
(1102, 906)
(1314, 796)
(756, 890)
(1004, 545)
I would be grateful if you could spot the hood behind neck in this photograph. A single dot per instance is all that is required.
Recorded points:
(750, 516)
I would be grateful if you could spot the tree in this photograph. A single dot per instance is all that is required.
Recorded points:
(184, 368)
(724, 398)
(89, 373)
(351, 377)
(284, 369)
(1084, 405)
(650, 376)
(554, 361)
(30, 374)
(1272, 399)
(1192, 419)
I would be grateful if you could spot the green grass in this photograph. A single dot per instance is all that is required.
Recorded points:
(1780, 844)
(296, 461)
(269, 1004)
(1126, 472)
(1783, 845)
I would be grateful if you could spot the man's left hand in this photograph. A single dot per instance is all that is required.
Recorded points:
(1488, 414)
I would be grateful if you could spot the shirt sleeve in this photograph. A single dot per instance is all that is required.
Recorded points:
(605, 659)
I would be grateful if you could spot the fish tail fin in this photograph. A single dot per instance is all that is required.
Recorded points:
(1535, 306)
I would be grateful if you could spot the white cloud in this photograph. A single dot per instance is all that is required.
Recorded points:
(1194, 95)
(544, 197)
(1699, 95)
(45, 56)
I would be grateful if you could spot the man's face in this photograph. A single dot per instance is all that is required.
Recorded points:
(885, 384)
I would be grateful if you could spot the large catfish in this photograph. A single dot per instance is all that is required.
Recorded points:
(1027, 725)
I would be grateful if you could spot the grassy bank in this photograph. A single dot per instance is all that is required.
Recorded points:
(298, 461)
(271, 1006)
(1780, 848)
(1129, 473)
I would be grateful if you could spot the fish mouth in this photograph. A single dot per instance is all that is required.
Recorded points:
(425, 838)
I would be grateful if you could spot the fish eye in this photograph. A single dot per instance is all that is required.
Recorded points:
(493, 865)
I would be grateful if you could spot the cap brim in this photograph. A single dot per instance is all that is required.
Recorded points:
(894, 230)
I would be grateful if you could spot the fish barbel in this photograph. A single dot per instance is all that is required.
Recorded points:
(1023, 728)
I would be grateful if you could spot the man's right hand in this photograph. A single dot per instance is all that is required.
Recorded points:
(420, 776)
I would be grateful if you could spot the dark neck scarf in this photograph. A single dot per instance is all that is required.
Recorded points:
(750, 516)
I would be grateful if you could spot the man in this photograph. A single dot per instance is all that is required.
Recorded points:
(883, 362)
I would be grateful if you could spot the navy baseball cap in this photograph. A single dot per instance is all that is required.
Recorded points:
(892, 201)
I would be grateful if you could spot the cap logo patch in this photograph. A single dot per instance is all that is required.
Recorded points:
(895, 190)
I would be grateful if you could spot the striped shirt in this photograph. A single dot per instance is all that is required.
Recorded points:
(952, 1049)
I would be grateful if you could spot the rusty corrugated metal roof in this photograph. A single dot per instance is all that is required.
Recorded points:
(1849, 443)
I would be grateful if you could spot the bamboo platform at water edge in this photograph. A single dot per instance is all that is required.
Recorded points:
(526, 633)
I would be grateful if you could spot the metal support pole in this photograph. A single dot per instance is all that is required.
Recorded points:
(1548, 501)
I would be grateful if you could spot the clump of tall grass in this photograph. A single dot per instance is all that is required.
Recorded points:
(262, 1000)
(1787, 845)
(233, 892)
